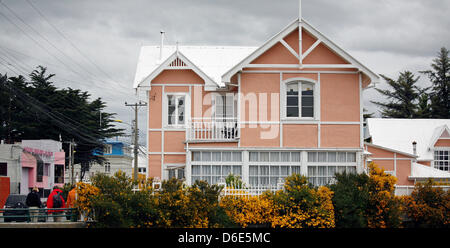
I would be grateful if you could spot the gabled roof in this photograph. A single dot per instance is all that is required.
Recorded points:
(217, 64)
(438, 133)
(398, 134)
(209, 62)
(314, 32)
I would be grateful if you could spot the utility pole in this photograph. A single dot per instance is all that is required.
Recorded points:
(135, 107)
(71, 159)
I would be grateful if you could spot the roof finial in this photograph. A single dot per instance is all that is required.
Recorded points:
(162, 44)
(300, 57)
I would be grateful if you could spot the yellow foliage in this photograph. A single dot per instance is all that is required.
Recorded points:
(382, 199)
(85, 192)
(249, 210)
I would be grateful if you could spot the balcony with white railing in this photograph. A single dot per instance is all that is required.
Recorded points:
(213, 130)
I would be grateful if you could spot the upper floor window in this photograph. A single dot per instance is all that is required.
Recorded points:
(176, 106)
(442, 160)
(299, 100)
(225, 107)
(3, 169)
(107, 149)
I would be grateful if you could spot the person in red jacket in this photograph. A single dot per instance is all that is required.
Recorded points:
(53, 202)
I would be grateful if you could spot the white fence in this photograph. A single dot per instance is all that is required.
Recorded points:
(408, 189)
(216, 129)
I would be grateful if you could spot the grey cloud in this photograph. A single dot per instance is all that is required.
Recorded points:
(388, 36)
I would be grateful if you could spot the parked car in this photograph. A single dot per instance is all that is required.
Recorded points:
(16, 202)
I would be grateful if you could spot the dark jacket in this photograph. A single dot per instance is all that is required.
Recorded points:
(33, 199)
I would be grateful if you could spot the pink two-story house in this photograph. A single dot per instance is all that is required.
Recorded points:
(291, 105)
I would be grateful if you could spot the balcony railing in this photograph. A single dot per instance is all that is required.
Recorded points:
(213, 129)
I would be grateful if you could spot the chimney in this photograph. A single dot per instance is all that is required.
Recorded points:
(414, 148)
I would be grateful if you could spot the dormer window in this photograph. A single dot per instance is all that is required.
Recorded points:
(299, 100)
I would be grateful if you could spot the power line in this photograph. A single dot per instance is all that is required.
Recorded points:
(56, 117)
(44, 38)
(68, 40)
(43, 47)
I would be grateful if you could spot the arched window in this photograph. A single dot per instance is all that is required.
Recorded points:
(299, 99)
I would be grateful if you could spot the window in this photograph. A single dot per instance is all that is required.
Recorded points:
(323, 175)
(322, 166)
(176, 173)
(225, 107)
(274, 156)
(266, 168)
(176, 106)
(107, 167)
(299, 100)
(107, 149)
(59, 173)
(212, 173)
(332, 157)
(268, 175)
(39, 171)
(210, 166)
(3, 169)
(442, 160)
(217, 156)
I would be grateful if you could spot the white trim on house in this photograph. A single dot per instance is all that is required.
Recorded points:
(391, 150)
(279, 37)
(437, 135)
(283, 98)
(226, 77)
(166, 65)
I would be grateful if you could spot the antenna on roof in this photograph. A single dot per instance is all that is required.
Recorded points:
(300, 33)
(177, 47)
(162, 44)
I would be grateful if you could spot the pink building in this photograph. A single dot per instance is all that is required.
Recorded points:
(413, 150)
(291, 105)
(42, 163)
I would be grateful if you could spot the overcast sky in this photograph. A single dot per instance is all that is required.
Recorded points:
(106, 35)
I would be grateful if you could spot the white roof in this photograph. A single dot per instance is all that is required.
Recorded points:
(399, 134)
(423, 171)
(214, 61)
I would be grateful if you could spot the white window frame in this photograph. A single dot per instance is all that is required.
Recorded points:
(187, 110)
(327, 163)
(232, 162)
(270, 162)
(107, 149)
(436, 161)
(234, 106)
(283, 99)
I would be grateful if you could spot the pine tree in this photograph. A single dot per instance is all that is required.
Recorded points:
(38, 110)
(439, 76)
(402, 99)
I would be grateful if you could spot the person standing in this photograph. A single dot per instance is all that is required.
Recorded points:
(34, 203)
(56, 200)
(71, 199)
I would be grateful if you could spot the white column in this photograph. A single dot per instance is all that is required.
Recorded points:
(188, 168)
(304, 163)
(245, 167)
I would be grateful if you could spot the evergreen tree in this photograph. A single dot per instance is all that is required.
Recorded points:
(38, 110)
(439, 76)
(402, 99)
